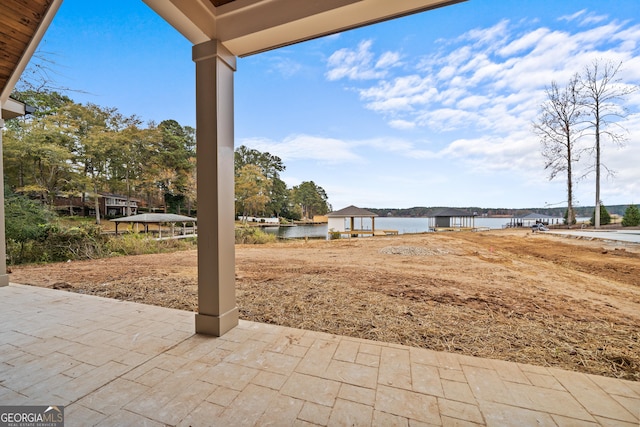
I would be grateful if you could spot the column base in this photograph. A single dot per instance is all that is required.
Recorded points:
(217, 325)
(4, 280)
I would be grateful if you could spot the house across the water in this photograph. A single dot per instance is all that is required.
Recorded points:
(110, 205)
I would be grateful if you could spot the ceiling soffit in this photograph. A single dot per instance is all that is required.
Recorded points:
(19, 22)
(218, 3)
(247, 27)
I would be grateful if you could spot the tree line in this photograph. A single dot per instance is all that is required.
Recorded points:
(576, 120)
(260, 191)
(423, 211)
(66, 149)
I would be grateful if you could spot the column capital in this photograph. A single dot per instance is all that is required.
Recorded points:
(213, 49)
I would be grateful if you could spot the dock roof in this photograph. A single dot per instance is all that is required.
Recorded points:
(351, 211)
(451, 212)
(155, 218)
(535, 215)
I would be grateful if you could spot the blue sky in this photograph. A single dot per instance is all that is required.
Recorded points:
(434, 109)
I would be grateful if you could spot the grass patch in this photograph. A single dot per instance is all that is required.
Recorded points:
(253, 236)
(140, 244)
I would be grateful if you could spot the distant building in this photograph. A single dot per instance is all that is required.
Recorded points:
(345, 220)
(115, 205)
(530, 219)
(110, 205)
(262, 220)
(452, 219)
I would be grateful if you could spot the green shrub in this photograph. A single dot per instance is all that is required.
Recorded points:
(131, 244)
(631, 217)
(26, 222)
(73, 243)
(86, 241)
(141, 244)
(22, 252)
(253, 235)
(58, 243)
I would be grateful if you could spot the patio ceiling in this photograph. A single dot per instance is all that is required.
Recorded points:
(22, 24)
(246, 27)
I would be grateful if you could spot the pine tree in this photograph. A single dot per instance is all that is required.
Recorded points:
(631, 217)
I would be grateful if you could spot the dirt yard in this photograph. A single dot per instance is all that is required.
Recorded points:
(505, 294)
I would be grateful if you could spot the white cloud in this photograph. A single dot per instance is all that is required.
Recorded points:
(480, 83)
(473, 102)
(400, 94)
(333, 150)
(526, 42)
(572, 17)
(360, 63)
(491, 81)
(388, 59)
(487, 36)
(285, 66)
(388, 144)
(402, 124)
(583, 17)
(306, 147)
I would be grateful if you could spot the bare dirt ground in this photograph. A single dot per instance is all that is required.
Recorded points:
(505, 294)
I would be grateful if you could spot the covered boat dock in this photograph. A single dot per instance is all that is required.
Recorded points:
(338, 223)
(530, 219)
(159, 219)
(452, 219)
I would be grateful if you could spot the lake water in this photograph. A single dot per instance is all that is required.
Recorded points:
(403, 225)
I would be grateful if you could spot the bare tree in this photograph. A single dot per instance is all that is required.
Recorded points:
(559, 128)
(604, 93)
(41, 74)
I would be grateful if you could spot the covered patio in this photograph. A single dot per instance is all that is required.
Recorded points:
(117, 363)
(220, 31)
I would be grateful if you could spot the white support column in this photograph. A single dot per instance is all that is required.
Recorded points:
(217, 310)
(4, 277)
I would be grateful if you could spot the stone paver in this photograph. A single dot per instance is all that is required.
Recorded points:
(113, 363)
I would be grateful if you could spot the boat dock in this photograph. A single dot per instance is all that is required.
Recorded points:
(357, 233)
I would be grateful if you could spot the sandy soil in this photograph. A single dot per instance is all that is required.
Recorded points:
(505, 294)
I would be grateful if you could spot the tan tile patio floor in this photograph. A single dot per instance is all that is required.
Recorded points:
(126, 364)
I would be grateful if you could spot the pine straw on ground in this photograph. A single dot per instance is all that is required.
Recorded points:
(310, 302)
(521, 298)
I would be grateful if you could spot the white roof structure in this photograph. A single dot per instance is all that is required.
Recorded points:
(534, 216)
(155, 218)
(351, 211)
